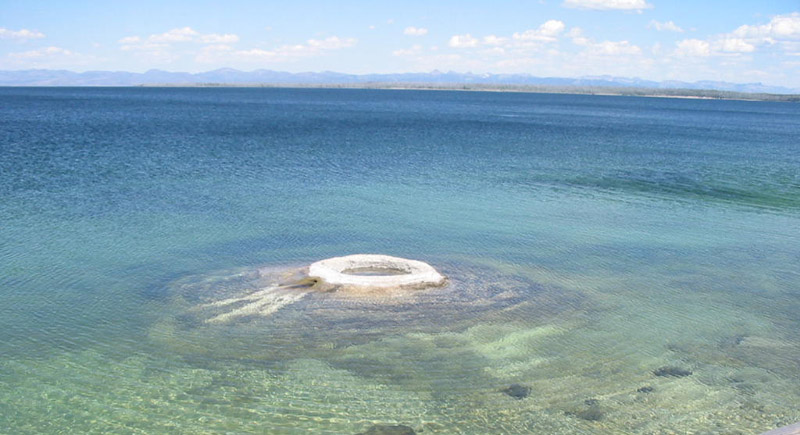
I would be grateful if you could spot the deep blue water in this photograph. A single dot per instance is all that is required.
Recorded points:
(635, 233)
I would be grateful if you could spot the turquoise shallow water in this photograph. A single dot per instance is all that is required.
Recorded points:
(590, 241)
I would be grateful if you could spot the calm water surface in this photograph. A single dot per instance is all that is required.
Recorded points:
(595, 245)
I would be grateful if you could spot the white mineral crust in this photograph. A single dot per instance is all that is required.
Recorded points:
(401, 272)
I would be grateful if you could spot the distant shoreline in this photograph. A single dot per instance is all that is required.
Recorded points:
(700, 94)
(434, 80)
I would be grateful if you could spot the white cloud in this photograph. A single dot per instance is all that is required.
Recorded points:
(212, 53)
(546, 49)
(547, 32)
(21, 34)
(48, 57)
(576, 34)
(786, 25)
(160, 48)
(615, 48)
(736, 45)
(255, 53)
(782, 31)
(215, 38)
(332, 43)
(580, 40)
(463, 41)
(221, 53)
(665, 26)
(607, 48)
(780, 27)
(536, 51)
(494, 40)
(604, 48)
(42, 52)
(551, 28)
(415, 31)
(183, 34)
(636, 5)
(693, 48)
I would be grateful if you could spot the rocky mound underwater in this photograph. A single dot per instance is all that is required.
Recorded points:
(276, 312)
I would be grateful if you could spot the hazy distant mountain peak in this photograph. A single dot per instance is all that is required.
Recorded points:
(233, 76)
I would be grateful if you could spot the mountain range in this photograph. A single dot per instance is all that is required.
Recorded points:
(229, 76)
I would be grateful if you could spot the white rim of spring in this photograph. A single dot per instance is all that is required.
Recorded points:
(413, 273)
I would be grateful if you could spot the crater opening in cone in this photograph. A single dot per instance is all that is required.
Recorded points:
(374, 271)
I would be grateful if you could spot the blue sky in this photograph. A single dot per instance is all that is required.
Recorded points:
(736, 41)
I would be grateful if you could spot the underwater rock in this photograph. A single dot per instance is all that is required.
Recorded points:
(671, 371)
(593, 413)
(645, 389)
(388, 429)
(518, 391)
(590, 414)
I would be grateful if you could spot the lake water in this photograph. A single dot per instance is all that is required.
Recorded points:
(632, 261)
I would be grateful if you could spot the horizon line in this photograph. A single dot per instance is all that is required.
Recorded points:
(472, 79)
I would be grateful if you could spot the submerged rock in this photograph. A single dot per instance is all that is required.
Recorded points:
(590, 414)
(388, 429)
(593, 413)
(518, 391)
(671, 371)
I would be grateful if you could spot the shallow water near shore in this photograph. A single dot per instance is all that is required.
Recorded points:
(631, 261)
